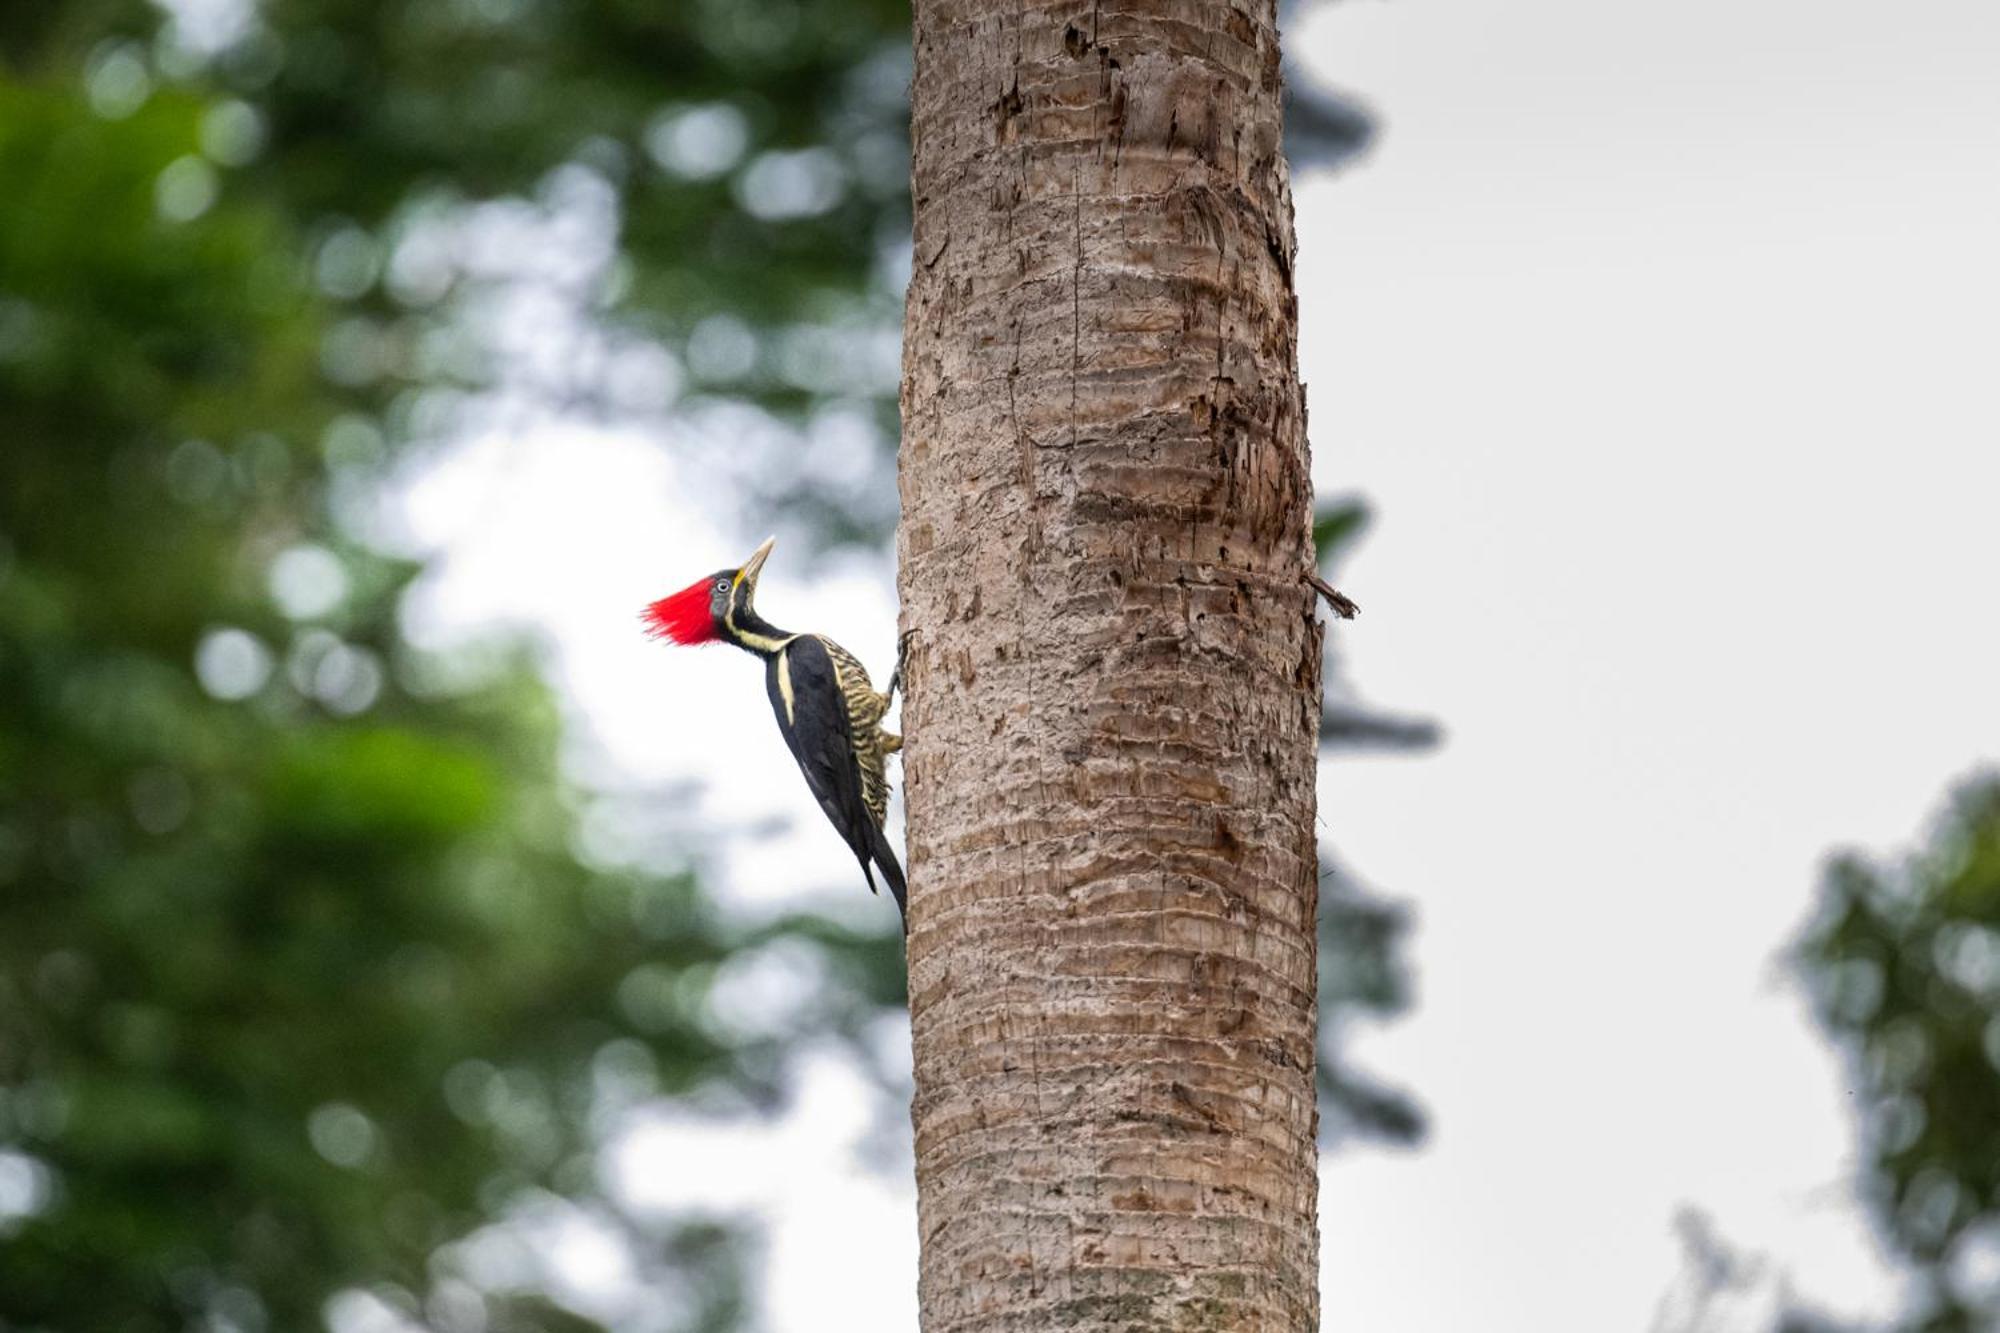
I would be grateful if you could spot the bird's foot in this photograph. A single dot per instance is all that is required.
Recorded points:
(896, 676)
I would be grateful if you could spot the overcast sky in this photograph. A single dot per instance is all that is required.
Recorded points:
(1664, 340)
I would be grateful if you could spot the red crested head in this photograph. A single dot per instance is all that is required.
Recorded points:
(715, 609)
(687, 617)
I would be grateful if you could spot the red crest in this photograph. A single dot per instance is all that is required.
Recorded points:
(683, 618)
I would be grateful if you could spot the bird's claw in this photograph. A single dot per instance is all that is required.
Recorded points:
(902, 656)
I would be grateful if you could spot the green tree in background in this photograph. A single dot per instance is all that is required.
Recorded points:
(1361, 972)
(301, 983)
(1903, 964)
(613, 208)
(304, 986)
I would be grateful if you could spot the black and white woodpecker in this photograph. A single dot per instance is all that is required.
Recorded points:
(829, 712)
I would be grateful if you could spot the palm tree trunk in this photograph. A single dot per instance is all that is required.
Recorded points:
(1114, 674)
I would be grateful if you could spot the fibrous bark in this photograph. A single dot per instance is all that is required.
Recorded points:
(1113, 677)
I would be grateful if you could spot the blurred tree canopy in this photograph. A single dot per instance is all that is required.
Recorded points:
(697, 205)
(302, 981)
(1362, 976)
(1903, 965)
(306, 986)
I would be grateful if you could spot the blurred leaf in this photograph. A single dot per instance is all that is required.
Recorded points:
(366, 785)
(1902, 963)
(1362, 976)
(1323, 129)
(1346, 727)
(1337, 526)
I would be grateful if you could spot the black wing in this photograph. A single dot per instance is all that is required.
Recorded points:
(815, 725)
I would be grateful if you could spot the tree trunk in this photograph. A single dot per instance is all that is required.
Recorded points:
(1114, 674)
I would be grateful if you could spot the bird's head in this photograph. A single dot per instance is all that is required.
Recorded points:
(718, 608)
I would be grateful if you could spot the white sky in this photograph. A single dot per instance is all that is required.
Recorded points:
(1664, 340)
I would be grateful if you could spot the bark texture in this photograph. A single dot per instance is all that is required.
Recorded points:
(1114, 677)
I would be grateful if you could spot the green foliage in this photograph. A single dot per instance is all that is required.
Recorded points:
(1903, 963)
(1361, 970)
(752, 154)
(1345, 722)
(300, 981)
(1362, 975)
(1338, 526)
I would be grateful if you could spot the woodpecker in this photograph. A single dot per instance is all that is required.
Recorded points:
(829, 713)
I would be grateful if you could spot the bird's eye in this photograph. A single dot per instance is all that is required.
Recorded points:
(722, 585)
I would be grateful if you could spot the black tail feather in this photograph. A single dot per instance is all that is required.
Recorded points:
(885, 860)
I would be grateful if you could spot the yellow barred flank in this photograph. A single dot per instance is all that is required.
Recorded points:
(872, 745)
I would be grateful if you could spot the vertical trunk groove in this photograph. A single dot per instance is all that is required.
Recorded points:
(1114, 678)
